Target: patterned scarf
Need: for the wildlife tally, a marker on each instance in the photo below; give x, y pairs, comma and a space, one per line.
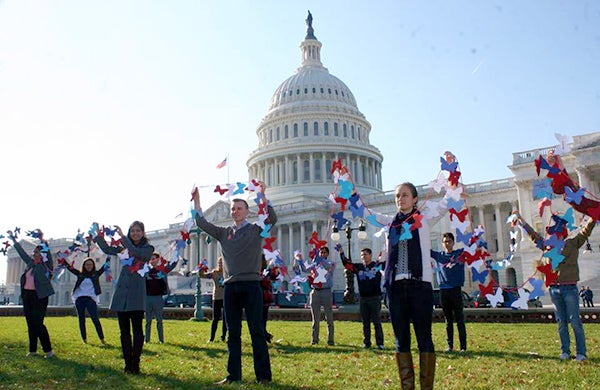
415, 260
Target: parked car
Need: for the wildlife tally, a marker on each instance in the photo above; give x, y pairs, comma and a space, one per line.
180, 300
510, 295
467, 300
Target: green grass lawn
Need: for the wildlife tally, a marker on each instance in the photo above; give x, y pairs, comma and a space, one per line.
500, 356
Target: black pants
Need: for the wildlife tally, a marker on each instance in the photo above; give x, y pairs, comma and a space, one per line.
370, 311
217, 310
132, 349
35, 311
452, 305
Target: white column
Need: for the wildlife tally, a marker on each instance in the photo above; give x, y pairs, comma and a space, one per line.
288, 169
311, 168
291, 241
302, 237
298, 168
481, 215
359, 175
279, 237
265, 172
499, 230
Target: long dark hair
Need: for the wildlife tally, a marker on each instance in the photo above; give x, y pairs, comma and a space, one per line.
143, 240
83, 270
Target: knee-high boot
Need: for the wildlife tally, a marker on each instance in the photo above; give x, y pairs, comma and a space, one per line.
138, 344
406, 370
127, 352
427, 369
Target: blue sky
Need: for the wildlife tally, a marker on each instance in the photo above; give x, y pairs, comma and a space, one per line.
112, 110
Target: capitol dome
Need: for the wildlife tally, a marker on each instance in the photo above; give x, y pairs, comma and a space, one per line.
311, 121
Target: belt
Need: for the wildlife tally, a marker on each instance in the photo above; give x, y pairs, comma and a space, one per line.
324, 288
406, 276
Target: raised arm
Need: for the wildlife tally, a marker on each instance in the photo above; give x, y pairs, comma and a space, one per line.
24, 256
104, 247
210, 229
585, 232
535, 237
143, 252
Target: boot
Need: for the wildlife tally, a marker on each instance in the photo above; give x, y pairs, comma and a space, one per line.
136, 353
406, 370
427, 369
126, 348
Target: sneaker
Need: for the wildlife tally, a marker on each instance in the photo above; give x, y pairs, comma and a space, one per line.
330, 343
564, 356
463, 350
103, 341
366, 346
84, 341
449, 350
49, 355
31, 354
580, 358
380, 347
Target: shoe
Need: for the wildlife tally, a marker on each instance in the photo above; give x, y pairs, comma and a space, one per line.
49, 355
314, 342
225, 382
366, 346
103, 341
223, 338
449, 350
264, 382
269, 337
380, 347
210, 340
31, 354
564, 356
330, 343
463, 350
84, 341
580, 358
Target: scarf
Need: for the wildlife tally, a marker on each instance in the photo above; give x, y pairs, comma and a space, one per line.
415, 258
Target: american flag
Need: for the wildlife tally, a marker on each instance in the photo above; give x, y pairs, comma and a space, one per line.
222, 163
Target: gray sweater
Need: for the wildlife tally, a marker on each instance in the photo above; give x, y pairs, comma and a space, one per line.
130, 293
242, 249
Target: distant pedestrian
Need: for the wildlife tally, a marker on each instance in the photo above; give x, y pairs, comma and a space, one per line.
589, 296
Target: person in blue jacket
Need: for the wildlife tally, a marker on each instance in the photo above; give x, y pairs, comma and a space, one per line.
450, 272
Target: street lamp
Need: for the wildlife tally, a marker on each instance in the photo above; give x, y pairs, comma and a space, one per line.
349, 295
198, 313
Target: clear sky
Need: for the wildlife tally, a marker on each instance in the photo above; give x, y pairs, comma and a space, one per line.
111, 111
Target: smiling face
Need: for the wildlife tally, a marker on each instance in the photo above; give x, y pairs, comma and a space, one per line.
406, 199
37, 254
366, 257
239, 211
136, 232
448, 243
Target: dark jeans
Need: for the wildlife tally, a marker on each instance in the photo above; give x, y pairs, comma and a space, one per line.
370, 311
452, 305
35, 311
239, 297
87, 303
132, 349
217, 307
411, 301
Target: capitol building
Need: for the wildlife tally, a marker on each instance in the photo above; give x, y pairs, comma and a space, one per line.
312, 120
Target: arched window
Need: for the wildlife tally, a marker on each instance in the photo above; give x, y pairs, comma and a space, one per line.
277, 134
306, 129
295, 130
316, 128
317, 170
327, 170
352, 131
511, 277
286, 132
335, 129
306, 171
270, 135
345, 130
359, 130
326, 128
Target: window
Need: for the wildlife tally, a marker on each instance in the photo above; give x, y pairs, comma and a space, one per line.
318, 170
305, 90
336, 92
326, 128
352, 131
306, 171
335, 129
295, 130
316, 128
358, 132
322, 90
277, 134
314, 90
329, 90
306, 129
271, 135
295, 172
298, 91
290, 93
327, 168
345, 130
286, 132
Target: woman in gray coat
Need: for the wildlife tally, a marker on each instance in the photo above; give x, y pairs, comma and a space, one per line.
35, 290
129, 297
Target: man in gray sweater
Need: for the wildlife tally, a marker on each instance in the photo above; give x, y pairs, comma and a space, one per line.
241, 244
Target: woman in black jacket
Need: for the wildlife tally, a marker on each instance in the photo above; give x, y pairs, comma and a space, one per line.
86, 294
